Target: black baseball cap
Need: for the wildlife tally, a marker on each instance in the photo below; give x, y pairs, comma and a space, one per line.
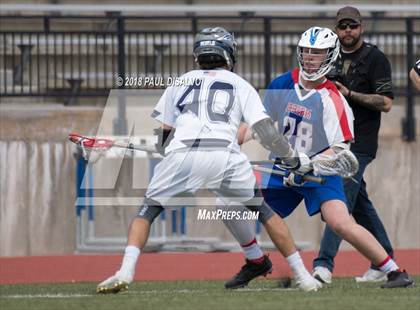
348, 12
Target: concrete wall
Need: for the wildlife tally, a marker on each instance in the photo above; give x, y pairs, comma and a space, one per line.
37, 178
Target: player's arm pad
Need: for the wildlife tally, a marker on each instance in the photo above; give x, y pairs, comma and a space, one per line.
164, 138
268, 136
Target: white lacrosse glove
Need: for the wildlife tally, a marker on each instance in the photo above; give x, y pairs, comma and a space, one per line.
293, 179
299, 163
305, 164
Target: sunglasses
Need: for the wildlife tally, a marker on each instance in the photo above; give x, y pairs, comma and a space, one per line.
343, 26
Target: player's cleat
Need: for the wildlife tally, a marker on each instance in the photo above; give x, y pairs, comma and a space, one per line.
398, 279
307, 283
248, 272
372, 275
112, 285
322, 274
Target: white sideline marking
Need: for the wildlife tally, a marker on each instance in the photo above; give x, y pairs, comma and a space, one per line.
268, 289
140, 292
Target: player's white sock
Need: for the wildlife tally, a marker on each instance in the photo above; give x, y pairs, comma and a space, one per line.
128, 266
296, 264
252, 251
243, 231
388, 265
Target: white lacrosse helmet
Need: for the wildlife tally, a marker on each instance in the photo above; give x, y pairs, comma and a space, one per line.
317, 38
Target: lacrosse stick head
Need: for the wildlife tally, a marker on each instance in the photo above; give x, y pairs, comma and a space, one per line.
92, 148
343, 163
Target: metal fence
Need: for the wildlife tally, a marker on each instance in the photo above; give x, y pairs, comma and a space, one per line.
51, 62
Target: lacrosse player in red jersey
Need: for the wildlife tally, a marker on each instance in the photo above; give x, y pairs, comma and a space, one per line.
200, 123
318, 122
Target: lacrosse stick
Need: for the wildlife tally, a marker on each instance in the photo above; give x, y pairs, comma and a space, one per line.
284, 173
99, 146
343, 164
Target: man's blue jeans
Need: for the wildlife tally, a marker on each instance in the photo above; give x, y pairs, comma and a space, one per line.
363, 212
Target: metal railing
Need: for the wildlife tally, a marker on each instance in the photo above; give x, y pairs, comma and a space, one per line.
50, 62
72, 56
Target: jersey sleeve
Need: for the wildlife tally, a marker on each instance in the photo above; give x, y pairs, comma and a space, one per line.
337, 118
380, 76
252, 107
274, 94
164, 110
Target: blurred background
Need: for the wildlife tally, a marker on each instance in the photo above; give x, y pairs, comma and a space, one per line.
60, 64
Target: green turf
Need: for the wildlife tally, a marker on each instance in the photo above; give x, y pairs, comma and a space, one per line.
265, 294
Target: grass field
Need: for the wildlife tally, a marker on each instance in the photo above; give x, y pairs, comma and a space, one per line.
264, 294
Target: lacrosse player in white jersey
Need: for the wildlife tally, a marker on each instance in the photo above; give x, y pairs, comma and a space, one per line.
200, 120
317, 121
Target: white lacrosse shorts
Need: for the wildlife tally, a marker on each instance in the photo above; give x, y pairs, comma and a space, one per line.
226, 173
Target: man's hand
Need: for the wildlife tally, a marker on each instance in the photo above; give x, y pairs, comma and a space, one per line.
343, 89
373, 102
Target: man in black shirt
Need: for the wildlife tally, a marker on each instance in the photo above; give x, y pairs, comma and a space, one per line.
363, 75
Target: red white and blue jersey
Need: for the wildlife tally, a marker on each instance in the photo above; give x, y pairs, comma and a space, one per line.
312, 120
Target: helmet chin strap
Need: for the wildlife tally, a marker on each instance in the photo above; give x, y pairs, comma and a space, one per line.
228, 61
302, 77
307, 77
321, 72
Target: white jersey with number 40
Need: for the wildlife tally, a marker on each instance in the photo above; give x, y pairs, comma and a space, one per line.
208, 105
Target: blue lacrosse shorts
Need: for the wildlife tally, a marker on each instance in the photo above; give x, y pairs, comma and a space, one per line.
284, 199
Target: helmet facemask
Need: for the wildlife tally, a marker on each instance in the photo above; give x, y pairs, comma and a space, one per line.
317, 51
315, 63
